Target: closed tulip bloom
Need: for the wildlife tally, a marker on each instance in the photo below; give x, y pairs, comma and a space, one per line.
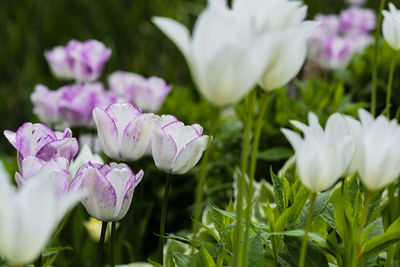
124, 132
177, 148
322, 156
59, 62
377, 153
28, 217
226, 56
78, 101
109, 189
40, 141
45, 104
123, 84
57, 172
391, 26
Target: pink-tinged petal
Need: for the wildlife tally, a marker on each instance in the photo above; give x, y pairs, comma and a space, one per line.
181, 134
107, 132
130, 188
122, 114
31, 138
164, 150
198, 128
31, 166
190, 155
118, 179
164, 120
11, 137
66, 148
136, 137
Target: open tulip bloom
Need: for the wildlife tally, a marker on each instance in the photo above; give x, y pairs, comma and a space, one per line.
322, 156
124, 132
29, 216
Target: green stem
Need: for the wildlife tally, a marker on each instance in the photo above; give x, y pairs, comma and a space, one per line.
303, 251
112, 254
38, 262
100, 251
375, 62
163, 218
389, 85
389, 258
253, 165
237, 251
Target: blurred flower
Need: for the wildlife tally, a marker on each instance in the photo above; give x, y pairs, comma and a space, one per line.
322, 157
58, 60
287, 19
82, 61
148, 94
93, 228
335, 53
91, 140
78, 101
176, 148
225, 54
40, 141
29, 216
45, 103
377, 155
124, 132
391, 26
56, 168
109, 189
84, 156
356, 21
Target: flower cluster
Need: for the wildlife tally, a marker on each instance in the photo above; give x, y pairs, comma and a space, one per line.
334, 42
345, 147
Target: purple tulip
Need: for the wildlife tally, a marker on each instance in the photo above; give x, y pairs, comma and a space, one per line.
40, 141
124, 132
78, 101
46, 103
335, 53
82, 61
150, 95
109, 189
57, 169
123, 84
356, 21
177, 148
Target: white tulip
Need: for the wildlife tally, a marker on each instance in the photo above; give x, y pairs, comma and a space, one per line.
28, 217
391, 26
322, 157
84, 156
225, 55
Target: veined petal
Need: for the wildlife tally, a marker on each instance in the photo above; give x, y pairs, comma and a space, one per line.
188, 157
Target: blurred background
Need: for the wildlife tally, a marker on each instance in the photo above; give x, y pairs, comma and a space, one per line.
29, 27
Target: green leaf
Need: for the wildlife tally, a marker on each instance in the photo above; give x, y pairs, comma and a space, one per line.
276, 153
300, 233
255, 254
278, 190
314, 256
320, 204
203, 258
181, 260
155, 264
53, 250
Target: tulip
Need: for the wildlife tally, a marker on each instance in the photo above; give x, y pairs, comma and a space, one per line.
151, 95
391, 26
84, 156
29, 216
78, 101
123, 84
335, 53
177, 148
357, 21
322, 157
124, 132
91, 140
109, 189
58, 60
224, 69
56, 168
45, 104
40, 141
377, 162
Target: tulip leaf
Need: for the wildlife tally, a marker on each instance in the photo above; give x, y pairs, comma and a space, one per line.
314, 256
181, 260
154, 263
256, 251
278, 190
321, 202
276, 153
53, 250
203, 258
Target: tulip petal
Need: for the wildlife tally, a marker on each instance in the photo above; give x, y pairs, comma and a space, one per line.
66, 148
190, 154
107, 132
164, 150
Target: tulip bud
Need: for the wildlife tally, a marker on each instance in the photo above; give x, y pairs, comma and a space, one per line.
391, 26
109, 189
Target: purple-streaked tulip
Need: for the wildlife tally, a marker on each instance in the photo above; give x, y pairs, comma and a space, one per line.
84, 156
45, 104
40, 141
123, 84
335, 53
124, 131
356, 21
87, 59
57, 169
59, 62
109, 189
177, 148
78, 101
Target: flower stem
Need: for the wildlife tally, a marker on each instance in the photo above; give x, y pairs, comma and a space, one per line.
253, 165
163, 218
303, 251
202, 177
375, 62
38, 262
389, 85
100, 251
237, 251
112, 254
